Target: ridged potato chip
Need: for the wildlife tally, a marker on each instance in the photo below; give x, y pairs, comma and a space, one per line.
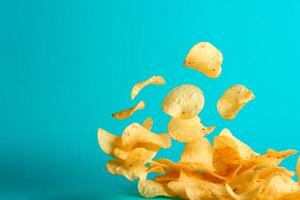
233, 100
188, 130
135, 133
128, 112
148, 123
107, 141
184, 102
205, 58
155, 80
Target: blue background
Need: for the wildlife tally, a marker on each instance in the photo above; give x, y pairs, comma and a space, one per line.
65, 66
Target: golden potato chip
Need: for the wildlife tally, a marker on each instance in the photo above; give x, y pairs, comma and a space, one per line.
135, 133
128, 112
150, 189
188, 130
205, 58
207, 191
277, 186
267, 172
184, 102
233, 100
244, 182
121, 153
148, 123
107, 141
244, 150
138, 156
198, 151
244, 196
155, 80
131, 173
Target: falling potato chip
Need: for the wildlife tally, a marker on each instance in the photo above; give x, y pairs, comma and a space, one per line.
198, 151
188, 130
128, 112
138, 156
107, 141
136, 133
150, 189
205, 58
117, 167
184, 102
148, 123
233, 100
156, 80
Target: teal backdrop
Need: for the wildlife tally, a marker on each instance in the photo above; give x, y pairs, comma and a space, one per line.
66, 65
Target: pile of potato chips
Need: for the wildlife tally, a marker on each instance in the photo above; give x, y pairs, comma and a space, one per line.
226, 169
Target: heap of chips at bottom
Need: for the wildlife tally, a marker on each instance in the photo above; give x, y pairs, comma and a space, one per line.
227, 169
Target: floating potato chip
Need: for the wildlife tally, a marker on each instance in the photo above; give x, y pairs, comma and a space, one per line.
121, 153
128, 112
131, 173
156, 80
148, 123
205, 58
135, 133
233, 100
138, 156
184, 102
198, 151
188, 130
150, 189
107, 141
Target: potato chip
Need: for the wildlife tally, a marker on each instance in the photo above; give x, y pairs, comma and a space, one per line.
198, 151
155, 80
128, 112
138, 156
107, 141
244, 196
205, 58
148, 123
245, 152
291, 196
233, 100
150, 189
184, 102
135, 133
277, 186
249, 176
131, 173
188, 130
267, 172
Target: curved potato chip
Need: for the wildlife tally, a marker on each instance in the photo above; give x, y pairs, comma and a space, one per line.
244, 196
148, 123
128, 112
244, 182
244, 150
107, 141
205, 58
138, 156
188, 130
150, 189
206, 190
135, 133
156, 80
233, 100
265, 173
198, 151
184, 102
131, 173
121, 153
278, 186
